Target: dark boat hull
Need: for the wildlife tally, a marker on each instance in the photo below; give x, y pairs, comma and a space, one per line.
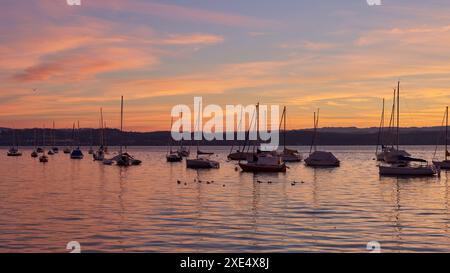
255, 168
239, 156
443, 165
202, 164
174, 159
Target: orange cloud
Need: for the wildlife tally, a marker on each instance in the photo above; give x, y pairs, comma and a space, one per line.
78, 65
409, 36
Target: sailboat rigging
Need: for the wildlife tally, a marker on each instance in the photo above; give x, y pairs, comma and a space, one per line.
398, 164
319, 158
14, 149
288, 155
241, 154
201, 162
77, 153
43, 158
123, 159
183, 151
172, 156
259, 161
54, 148
35, 154
99, 155
445, 164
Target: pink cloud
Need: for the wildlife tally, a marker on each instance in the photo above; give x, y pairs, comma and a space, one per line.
191, 39
83, 64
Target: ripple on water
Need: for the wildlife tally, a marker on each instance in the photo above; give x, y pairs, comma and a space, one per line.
144, 209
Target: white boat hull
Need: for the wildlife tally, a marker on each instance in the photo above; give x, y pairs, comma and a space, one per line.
322, 159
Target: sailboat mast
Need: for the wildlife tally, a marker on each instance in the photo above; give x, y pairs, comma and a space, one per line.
314, 135
380, 130
121, 124
446, 134
181, 132
73, 134
170, 136
317, 127
257, 127
392, 121
43, 137
284, 137
79, 137
53, 134
198, 127
398, 115
102, 127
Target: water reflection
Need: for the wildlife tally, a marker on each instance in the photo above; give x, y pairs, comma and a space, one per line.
44, 206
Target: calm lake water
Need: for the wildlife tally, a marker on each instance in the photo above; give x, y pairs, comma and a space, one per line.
144, 209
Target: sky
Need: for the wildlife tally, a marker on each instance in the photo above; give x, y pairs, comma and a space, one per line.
342, 56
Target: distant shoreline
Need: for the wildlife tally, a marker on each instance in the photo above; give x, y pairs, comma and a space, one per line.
325, 137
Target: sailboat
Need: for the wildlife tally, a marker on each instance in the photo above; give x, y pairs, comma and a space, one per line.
14, 149
105, 138
288, 155
320, 158
35, 154
68, 149
172, 156
50, 151
43, 158
99, 155
404, 165
380, 155
389, 153
54, 148
240, 153
445, 164
201, 162
91, 148
77, 153
123, 159
183, 151
262, 161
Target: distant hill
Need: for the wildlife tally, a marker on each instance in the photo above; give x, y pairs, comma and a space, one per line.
325, 136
